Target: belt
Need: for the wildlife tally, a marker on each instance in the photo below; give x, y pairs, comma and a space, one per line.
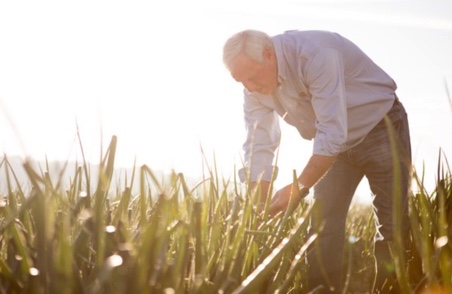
396, 101
393, 112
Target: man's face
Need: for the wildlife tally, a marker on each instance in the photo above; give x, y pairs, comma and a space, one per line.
256, 77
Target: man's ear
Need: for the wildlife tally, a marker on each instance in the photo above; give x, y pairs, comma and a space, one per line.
268, 53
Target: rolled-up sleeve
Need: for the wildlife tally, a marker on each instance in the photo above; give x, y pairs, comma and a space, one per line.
325, 74
262, 139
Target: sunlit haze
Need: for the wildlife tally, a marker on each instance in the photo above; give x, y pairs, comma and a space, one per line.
151, 73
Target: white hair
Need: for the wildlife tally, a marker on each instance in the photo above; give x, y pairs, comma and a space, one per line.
252, 43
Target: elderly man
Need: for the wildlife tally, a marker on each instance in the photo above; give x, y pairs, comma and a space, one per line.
334, 94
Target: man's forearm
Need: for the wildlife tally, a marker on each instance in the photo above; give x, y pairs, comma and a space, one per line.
317, 166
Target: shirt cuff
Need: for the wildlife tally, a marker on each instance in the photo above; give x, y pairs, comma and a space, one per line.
267, 174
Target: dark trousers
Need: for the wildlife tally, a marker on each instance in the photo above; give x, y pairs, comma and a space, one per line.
372, 158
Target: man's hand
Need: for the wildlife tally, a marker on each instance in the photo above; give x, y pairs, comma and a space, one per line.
317, 166
287, 198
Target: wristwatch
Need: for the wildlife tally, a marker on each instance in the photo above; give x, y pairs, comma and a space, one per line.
303, 191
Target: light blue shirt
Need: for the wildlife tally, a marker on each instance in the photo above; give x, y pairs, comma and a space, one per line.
329, 90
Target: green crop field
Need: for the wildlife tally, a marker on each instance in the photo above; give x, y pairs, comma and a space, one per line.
161, 235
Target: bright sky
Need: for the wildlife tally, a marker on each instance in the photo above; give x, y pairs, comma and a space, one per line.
150, 72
